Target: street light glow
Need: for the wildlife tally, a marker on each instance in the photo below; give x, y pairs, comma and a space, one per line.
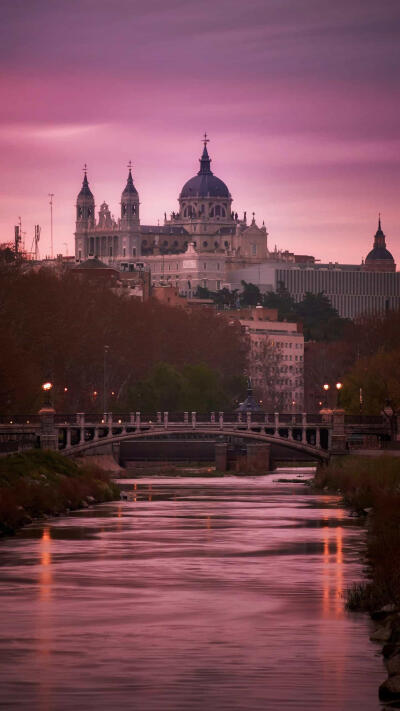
339, 386
326, 386
47, 386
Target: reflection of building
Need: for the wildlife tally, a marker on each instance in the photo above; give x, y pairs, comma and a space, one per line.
276, 364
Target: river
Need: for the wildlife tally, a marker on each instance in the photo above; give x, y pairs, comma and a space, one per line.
197, 594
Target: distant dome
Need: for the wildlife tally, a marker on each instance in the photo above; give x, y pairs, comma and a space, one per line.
378, 253
379, 250
205, 184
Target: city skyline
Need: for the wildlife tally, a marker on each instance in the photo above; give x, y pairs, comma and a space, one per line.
300, 102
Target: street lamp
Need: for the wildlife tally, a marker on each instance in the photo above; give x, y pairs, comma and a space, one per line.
106, 350
47, 387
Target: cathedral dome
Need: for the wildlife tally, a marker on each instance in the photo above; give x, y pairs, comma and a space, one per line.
378, 253
205, 184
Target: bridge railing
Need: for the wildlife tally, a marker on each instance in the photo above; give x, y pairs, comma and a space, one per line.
365, 419
19, 419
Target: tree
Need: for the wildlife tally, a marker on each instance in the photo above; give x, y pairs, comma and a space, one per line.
250, 295
321, 322
283, 301
378, 378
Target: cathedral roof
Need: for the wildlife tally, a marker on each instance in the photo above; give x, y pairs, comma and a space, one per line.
205, 183
85, 190
130, 188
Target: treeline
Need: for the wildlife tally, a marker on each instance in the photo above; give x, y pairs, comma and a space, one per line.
321, 322
366, 360
56, 328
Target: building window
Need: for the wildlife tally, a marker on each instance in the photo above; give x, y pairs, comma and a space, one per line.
133, 251
218, 285
79, 254
218, 266
123, 252
253, 250
205, 244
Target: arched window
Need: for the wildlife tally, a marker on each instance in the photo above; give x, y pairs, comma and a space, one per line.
176, 243
185, 214
205, 244
212, 212
216, 245
226, 245
223, 213
134, 209
144, 242
165, 243
217, 210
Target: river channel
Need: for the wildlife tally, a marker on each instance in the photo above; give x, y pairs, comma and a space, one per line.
196, 594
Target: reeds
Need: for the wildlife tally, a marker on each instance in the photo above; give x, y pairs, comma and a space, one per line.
371, 487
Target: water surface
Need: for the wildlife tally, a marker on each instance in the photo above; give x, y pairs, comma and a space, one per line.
197, 594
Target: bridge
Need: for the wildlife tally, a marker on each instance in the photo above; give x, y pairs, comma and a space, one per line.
253, 435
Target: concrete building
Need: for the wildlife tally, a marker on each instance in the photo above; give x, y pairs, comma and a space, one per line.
276, 364
353, 289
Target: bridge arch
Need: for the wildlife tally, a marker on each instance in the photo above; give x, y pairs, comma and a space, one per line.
103, 443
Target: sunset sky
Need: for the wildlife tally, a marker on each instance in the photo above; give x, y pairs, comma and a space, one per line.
300, 99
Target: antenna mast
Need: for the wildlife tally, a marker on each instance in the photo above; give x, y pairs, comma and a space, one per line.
51, 195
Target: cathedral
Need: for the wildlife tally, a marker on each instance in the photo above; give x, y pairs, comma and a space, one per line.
204, 224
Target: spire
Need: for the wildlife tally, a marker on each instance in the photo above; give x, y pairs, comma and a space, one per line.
379, 223
85, 190
130, 188
205, 159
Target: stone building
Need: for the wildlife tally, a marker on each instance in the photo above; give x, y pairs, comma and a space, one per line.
196, 246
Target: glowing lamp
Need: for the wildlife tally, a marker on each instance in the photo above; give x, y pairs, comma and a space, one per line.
339, 386
47, 386
326, 386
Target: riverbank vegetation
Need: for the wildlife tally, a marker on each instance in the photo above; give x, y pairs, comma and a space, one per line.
371, 487
44, 483
56, 327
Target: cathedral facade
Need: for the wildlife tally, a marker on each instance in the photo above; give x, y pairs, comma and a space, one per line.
204, 229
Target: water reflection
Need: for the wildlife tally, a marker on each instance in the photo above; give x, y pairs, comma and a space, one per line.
195, 594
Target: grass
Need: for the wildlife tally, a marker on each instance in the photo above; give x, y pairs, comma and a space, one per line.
42, 482
374, 484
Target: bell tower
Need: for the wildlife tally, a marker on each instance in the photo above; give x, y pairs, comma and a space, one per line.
130, 202
85, 218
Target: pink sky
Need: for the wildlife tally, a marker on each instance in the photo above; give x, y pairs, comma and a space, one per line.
300, 99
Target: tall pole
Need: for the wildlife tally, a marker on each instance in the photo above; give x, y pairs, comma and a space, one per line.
106, 349
51, 195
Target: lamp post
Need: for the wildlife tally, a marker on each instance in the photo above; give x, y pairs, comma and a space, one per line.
338, 387
388, 411
47, 388
106, 350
